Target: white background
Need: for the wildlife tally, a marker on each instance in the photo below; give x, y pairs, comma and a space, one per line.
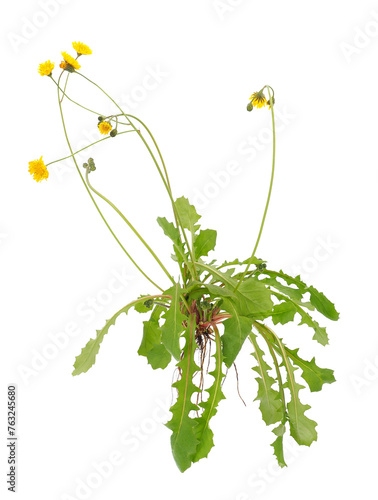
59, 264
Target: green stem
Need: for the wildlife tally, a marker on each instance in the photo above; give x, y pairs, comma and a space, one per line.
90, 194
269, 192
137, 234
157, 166
86, 147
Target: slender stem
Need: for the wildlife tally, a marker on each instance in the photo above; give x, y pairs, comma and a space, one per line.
90, 194
65, 86
157, 166
86, 147
269, 192
130, 226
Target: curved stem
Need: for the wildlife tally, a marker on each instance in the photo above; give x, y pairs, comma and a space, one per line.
130, 226
90, 194
86, 147
269, 192
157, 166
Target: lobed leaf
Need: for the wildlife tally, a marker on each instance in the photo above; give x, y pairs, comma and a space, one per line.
203, 432
87, 357
271, 406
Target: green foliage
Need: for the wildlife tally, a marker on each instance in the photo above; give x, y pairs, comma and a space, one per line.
203, 432
191, 310
174, 323
184, 439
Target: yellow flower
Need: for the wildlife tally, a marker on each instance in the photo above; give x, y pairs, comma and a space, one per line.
81, 49
258, 99
46, 68
38, 170
69, 60
104, 127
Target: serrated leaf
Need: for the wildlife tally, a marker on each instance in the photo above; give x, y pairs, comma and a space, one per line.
302, 428
173, 326
236, 330
187, 214
203, 432
311, 373
87, 357
204, 242
184, 441
271, 406
320, 332
317, 299
174, 234
279, 431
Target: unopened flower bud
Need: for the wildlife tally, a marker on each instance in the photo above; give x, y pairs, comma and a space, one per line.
249, 106
113, 132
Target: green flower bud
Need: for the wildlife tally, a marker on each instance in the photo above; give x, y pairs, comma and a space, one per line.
101, 118
249, 106
113, 132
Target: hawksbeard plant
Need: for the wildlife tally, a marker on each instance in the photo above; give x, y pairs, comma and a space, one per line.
201, 321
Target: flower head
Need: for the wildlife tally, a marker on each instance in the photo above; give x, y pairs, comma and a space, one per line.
104, 127
81, 49
46, 68
258, 99
69, 63
38, 170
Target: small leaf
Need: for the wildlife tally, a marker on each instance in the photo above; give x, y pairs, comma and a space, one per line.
158, 357
283, 313
174, 234
204, 242
278, 445
187, 214
173, 326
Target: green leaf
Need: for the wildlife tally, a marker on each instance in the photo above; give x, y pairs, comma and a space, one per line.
187, 214
254, 297
322, 304
174, 234
158, 357
173, 326
87, 357
283, 313
320, 332
279, 431
311, 373
271, 406
141, 306
204, 242
236, 330
302, 428
203, 432
317, 299
184, 440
